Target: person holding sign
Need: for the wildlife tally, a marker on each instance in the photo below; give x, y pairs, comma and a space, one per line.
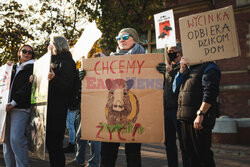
18, 110
127, 41
95, 146
197, 110
60, 78
170, 96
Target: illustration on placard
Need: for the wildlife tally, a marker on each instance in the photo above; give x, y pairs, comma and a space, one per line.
164, 29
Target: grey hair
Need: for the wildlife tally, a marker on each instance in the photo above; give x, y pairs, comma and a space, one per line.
60, 44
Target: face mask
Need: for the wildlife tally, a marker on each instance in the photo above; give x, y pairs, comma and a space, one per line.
172, 56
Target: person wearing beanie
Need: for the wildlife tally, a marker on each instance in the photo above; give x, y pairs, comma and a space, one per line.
127, 41
132, 32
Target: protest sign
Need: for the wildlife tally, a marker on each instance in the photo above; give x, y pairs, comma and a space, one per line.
122, 99
165, 29
89, 36
5, 77
209, 36
39, 97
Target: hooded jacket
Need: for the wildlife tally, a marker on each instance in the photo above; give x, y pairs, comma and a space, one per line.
20, 90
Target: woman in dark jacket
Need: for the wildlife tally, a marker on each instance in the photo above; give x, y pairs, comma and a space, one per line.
18, 110
60, 85
127, 41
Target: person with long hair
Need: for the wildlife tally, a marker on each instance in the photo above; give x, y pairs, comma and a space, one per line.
18, 109
60, 78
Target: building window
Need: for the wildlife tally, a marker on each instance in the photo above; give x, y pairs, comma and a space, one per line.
148, 42
240, 3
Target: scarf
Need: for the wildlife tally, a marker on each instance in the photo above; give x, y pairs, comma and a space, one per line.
137, 49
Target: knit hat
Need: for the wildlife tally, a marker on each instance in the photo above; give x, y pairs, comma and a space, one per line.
132, 32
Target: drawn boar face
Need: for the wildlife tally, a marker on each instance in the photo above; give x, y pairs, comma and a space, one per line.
119, 106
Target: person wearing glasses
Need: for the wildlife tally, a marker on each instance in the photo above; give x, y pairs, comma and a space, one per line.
15, 147
127, 41
61, 79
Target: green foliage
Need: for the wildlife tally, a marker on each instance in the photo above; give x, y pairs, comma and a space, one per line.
113, 15
33, 25
62, 17
58, 17
12, 31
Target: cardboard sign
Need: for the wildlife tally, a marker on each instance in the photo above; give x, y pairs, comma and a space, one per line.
39, 97
122, 99
209, 36
5, 77
165, 29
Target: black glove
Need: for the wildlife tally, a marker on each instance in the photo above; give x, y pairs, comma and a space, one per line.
82, 74
161, 68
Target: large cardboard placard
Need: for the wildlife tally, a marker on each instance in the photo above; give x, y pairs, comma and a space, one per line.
5, 77
122, 99
209, 36
165, 29
39, 97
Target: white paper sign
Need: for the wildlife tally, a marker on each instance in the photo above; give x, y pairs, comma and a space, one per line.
5, 77
39, 98
165, 29
86, 41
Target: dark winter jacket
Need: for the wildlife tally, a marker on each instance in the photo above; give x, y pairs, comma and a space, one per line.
21, 86
75, 94
170, 97
60, 88
201, 84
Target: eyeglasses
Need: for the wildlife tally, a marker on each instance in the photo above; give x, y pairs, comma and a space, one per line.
27, 52
124, 37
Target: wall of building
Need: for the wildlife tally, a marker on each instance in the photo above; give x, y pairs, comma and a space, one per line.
235, 84
234, 95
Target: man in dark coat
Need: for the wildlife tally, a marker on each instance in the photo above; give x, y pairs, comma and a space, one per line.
197, 110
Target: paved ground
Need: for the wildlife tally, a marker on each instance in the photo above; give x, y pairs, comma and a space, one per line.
153, 155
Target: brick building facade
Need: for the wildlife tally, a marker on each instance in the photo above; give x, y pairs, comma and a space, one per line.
234, 95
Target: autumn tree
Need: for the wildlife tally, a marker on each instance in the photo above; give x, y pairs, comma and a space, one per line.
113, 15
12, 30
58, 17
34, 23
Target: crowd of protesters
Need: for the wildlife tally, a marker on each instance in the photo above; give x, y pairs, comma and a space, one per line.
190, 93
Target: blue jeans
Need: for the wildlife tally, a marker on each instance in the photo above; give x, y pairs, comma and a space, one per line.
15, 147
95, 149
172, 125
71, 126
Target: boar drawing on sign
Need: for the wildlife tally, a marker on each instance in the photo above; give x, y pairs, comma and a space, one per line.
164, 29
122, 106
